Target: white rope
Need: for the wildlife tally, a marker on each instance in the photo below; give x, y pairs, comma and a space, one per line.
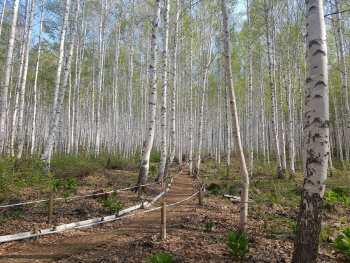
73, 197
101, 221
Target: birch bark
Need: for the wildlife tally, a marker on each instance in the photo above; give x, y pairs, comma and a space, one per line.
6, 79
164, 92
35, 99
46, 153
236, 132
20, 128
147, 145
316, 137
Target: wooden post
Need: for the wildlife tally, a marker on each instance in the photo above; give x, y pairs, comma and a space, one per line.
162, 183
200, 197
50, 209
139, 191
163, 229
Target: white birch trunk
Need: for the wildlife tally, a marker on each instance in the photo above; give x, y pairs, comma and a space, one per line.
46, 153
147, 145
235, 125
35, 99
20, 128
316, 137
6, 79
164, 92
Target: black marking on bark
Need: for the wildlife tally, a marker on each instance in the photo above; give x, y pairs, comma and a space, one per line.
320, 82
312, 8
313, 157
317, 119
318, 96
319, 51
325, 124
313, 42
315, 136
308, 80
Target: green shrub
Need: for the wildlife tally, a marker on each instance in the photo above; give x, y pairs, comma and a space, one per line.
209, 226
153, 167
238, 243
215, 191
232, 189
326, 234
161, 258
293, 226
269, 229
334, 197
342, 243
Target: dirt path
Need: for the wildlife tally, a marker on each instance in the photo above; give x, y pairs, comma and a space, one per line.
60, 247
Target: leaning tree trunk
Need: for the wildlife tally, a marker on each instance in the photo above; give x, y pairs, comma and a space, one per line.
6, 79
235, 124
20, 128
147, 145
46, 153
164, 93
316, 137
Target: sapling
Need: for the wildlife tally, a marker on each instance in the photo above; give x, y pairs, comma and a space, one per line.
209, 226
238, 243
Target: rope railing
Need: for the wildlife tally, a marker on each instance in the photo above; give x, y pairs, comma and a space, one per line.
83, 224
79, 196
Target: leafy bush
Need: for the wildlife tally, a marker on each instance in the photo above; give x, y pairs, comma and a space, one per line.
232, 189
334, 197
293, 226
269, 229
112, 204
256, 183
342, 243
342, 192
225, 184
71, 183
209, 226
326, 234
161, 258
238, 243
153, 167
215, 191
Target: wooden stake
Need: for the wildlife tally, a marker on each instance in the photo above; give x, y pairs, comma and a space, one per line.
200, 197
50, 209
162, 183
163, 229
139, 191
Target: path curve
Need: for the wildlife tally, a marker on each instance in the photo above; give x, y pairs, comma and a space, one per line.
52, 249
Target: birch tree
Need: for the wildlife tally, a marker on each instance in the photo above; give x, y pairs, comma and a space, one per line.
235, 124
316, 137
164, 92
6, 79
147, 145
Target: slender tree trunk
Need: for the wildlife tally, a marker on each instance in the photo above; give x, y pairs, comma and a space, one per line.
35, 97
236, 132
273, 100
190, 154
20, 128
316, 137
170, 158
164, 92
250, 93
6, 79
46, 153
147, 145
344, 75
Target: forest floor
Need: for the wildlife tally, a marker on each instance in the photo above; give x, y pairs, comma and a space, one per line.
132, 239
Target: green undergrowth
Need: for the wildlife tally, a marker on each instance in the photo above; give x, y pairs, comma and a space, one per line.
66, 171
